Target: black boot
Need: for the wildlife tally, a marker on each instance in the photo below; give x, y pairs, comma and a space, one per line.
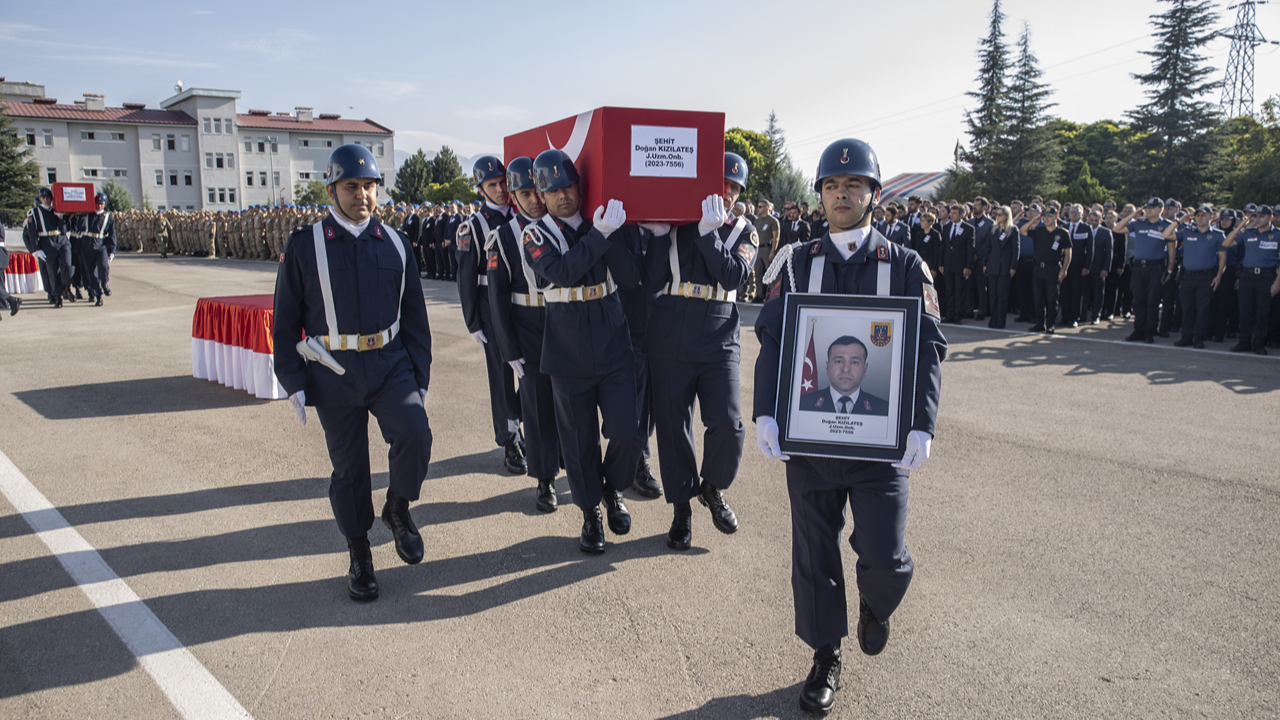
395, 515
616, 509
873, 635
721, 514
513, 460
646, 485
361, 584
680, 536
592, 540
818, 693
15, 302
98, 302
547, 501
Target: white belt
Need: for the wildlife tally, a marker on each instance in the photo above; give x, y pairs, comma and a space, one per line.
482, 280
48, 234
700, 292
360, 343
580, 293
529, 300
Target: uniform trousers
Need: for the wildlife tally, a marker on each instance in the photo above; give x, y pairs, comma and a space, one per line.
998, 289
1197, 295
955, 293
537, 401
1091, 296
978, 285
78, 268
1044, 287
403, 421
1255, 304
1023, 297
4, 263
94, 264
57, 252
876, 495
1226, 305
1170, 306
504, 403
716, 387
1072, 294
577, 401
1145, 282
1117, 297
645, 424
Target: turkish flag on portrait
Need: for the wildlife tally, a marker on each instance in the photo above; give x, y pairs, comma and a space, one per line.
809, 375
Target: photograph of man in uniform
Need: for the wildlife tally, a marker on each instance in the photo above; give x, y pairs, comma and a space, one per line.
846, 368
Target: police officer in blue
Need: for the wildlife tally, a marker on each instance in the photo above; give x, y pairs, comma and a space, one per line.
519, 316
1258, 279
694, 352
351, 285
490, 176
586, 347
45, 235
1203, 262
1153, 265
852, 259
97, 234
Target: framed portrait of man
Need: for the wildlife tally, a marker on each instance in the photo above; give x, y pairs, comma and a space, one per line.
847, 383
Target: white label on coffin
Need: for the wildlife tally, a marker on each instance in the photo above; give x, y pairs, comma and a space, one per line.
73, 194
664, 151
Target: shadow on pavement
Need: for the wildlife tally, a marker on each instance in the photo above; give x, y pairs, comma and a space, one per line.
780, 703
144, 396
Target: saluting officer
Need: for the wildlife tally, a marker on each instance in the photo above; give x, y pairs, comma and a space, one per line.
1153, 263
852, 259
1258, 279
1203, 262
586, 346
473, 293
97, 248
519, 316
694, 353
45, 235
351, 283
1051, 257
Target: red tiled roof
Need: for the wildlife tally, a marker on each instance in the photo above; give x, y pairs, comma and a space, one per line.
110, 115
289, 123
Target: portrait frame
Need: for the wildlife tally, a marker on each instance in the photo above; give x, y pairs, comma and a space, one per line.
873, 423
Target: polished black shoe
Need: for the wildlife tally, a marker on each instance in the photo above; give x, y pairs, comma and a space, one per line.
1260, 349
616, 509
106, 289
1163, 333
69, 296
680, 536
1150, 339
547, 501
980, 317
592, 540
873, 635
79, 295
1036, 328
1198, 343
57, 302
395, 515
1183, 341
818, 693
1049, 330
1133, 337
513, 460
15, 302
1217, 338
1074, 324
721, 514
98, 302
645, 484
1241, 346
361, 584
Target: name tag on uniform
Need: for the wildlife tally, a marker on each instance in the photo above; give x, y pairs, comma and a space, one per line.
1269, 244
1055, 244
1080, 236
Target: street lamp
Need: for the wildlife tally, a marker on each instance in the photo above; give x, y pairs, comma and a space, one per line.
271, 143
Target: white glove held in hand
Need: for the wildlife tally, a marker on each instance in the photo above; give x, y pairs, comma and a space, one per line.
658, 229
918, 442
517, 367
299, 402
39, 254
312, 351
111, 259
607, 221
480, 338
767, 438
713, 214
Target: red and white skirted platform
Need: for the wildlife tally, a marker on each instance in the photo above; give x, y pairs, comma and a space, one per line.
231, 344
22, 276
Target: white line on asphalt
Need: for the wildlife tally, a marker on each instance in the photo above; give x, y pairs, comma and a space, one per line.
1072, 336
194, 692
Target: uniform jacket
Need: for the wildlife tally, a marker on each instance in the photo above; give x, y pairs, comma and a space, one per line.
957, 247
471, 240
998, 251
867, 404
90, 226
637, 302
52, 222
1100, 256
519, 329
1081, 245
365, 273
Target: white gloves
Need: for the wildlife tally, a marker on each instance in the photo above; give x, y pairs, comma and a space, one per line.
517, 367
39, 254
713, 214
767, 437
312, 351
424, 395
607, 221
918, 442
658, 229
111, 258
299, 402
480, 339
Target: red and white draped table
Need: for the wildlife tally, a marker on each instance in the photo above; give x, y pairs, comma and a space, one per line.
22, 276
231, 344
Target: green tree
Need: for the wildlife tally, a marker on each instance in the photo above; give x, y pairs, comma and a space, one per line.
445, 166
413, 179
19, 172
961, 184
790, 185
1029, 160
751, 146
986, 123
119, 198
310, 193
1253, 155
1085, 189
459, 188
1176, 152
1106, 146
773, 157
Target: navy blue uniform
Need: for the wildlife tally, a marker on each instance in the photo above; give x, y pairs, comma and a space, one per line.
694, 352
1150, 255
821, 488
1200, 259
366, 275
473, 295
586, 350
46, 231
97, 244
519, 316
637, 303
1049, 250
1257, 273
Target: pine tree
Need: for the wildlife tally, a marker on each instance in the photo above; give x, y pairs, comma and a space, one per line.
1028, 160
987, 122
1176, 152
119, 198
445, 167
413, 179
19, 172
774, 158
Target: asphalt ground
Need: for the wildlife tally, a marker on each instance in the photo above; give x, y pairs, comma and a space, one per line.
1095, 535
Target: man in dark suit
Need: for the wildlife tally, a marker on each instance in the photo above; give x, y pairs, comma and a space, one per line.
1074, 287
1095, 274
846, 367
794, 230
983, 228
894, 229
957, 263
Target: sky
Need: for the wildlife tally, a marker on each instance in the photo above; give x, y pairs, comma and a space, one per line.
893, 74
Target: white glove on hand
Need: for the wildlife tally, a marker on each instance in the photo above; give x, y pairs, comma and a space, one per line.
39, 254
713, 214
111, 258
424, 395
918, 442
312, 350
607, 221
480, 338
517, 367
767, 438
299, 402
658, 229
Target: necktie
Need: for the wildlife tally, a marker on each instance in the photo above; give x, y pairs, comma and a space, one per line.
844, 405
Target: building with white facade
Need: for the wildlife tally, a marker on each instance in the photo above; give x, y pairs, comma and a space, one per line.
193, 153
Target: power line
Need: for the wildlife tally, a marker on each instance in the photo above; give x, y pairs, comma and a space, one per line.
1237, 88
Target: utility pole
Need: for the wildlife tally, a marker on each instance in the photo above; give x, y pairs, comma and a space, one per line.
1237, 89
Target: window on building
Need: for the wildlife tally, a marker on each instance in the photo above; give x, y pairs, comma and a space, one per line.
117, 137
379, 149
262, 146
86, 134
173, 178
384, 178
231, 195
222, 195
186, 143
275, 147
231, 161
248, 179
262, 179
170, 143
52, 174
219, 160
328, 143
217, 126
160, 208
90, 172
186, 178
304, 176
155, 141
226, 123
191, 208
120, 173
208, 160
48, 138
275, 179
160, 178
304, 143
31, 137
208, 125
213, 197
248, 145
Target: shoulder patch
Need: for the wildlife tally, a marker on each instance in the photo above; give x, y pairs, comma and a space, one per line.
533, 244
329, 234
281, 257
747, 250
815, 248
882, 253
931, 302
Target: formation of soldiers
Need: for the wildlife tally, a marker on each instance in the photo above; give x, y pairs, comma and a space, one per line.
254, 234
